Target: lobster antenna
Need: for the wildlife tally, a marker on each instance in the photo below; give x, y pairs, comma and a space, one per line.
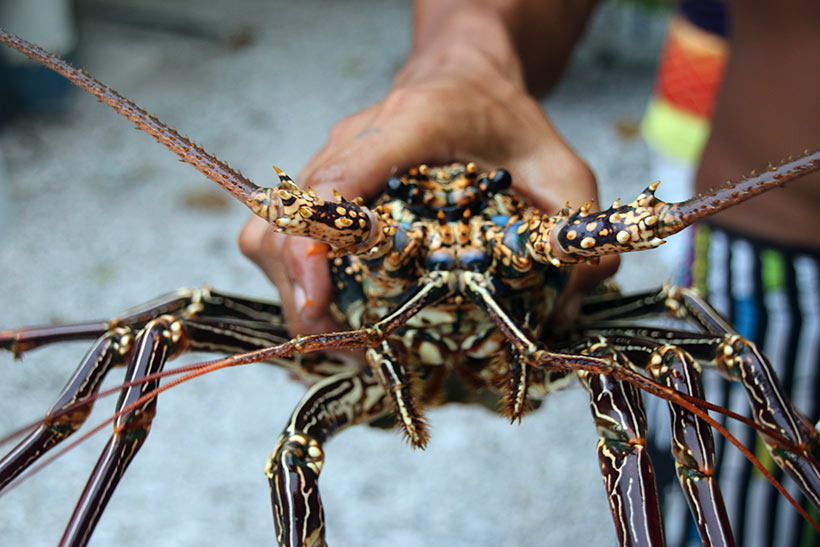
91, 399
199, 370
188, 151
732, 193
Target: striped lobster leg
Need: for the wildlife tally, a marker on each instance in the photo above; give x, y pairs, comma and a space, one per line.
794, 443
619, 416
293, 469
739, 360
666, 356
333, 404
626, 468
160, 340
693, 446
112, 349
385, 361
209, 321
143, 340
201, 302
619, 412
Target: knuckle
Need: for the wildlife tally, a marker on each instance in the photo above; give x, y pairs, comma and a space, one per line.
409, 101
457, 56
274, 243
340, 131
580, 171
249, 241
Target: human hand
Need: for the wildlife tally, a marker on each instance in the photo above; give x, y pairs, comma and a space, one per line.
453, 103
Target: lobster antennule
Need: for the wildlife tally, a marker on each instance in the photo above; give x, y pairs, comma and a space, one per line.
732, 193
190, 152
581, 236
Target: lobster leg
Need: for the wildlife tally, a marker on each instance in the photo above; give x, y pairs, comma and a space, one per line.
113, 349
110, 350
693, 446
293, 469
227, 324
625, 464
739, 360
692, 442
160, 340
395, 378
521, 354
330, 405
619, 414
682, 302
621, 421
187, 302
516, 396
615, 306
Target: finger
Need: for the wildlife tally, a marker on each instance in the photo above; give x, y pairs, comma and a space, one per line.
345, 130
553, 177
583, 279
308, 271
252, 244
265, 248
303, 282
284, 259
390, 142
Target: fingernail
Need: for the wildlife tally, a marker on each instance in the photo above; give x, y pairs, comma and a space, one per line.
299, 298
303, 303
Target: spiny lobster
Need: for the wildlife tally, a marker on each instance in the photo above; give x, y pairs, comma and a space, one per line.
434, 273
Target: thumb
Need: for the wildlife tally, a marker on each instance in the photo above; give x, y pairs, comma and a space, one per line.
583, 279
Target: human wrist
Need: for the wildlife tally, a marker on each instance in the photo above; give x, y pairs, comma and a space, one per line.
470, 41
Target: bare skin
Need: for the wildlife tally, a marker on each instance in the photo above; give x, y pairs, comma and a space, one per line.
466, 93
460, 96
768, 108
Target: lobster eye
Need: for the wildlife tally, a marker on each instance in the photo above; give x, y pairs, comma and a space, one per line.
396, 187
498, 180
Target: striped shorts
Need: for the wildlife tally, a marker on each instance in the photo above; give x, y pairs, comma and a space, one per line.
771, 295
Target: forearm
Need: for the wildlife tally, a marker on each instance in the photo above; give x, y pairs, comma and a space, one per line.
530, 40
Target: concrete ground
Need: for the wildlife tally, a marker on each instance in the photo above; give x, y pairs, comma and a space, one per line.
97, 217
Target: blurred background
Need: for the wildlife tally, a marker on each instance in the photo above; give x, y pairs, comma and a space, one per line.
96, 217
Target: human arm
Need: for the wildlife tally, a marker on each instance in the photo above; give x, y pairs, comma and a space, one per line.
461, 95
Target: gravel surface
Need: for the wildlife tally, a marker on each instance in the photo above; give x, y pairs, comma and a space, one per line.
99, 218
